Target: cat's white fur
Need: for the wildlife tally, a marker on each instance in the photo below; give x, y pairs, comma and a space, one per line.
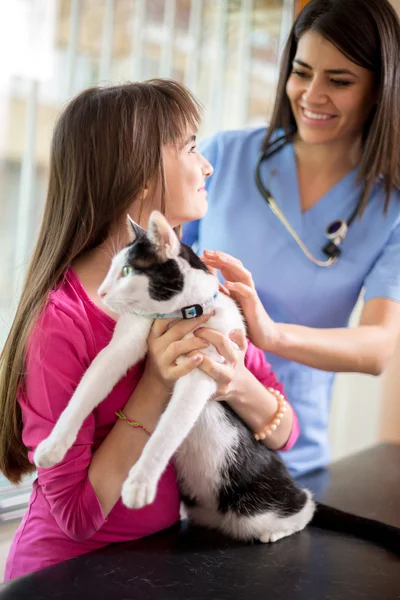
211, 436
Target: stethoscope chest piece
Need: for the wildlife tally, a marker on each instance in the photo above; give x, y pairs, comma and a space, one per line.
335, 233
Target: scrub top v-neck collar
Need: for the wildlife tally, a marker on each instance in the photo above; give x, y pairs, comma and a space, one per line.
281, 178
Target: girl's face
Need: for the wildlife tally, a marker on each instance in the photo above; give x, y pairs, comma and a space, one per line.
185, 173
331, 97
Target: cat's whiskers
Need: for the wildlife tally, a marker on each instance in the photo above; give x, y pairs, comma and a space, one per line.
107, 252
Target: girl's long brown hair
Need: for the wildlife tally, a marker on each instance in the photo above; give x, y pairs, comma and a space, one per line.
106, 148
368, 33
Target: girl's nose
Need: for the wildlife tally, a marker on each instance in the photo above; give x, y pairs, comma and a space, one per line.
208, 169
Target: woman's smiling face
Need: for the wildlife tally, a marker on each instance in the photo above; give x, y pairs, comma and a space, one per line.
331, 97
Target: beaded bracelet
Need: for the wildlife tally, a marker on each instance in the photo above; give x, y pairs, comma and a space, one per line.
276, 421
134, 424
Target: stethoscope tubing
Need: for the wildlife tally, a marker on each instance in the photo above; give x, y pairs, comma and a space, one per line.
275, 147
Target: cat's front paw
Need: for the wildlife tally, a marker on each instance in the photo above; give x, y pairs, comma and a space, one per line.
138, 491
49, 453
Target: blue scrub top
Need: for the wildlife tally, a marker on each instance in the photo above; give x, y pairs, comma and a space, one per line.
290, 286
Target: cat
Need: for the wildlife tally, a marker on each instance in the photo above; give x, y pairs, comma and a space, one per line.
228, 480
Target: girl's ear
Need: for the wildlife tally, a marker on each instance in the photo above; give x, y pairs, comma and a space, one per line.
134, 230
163, 236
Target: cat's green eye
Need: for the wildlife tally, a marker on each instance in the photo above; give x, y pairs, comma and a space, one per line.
127, 270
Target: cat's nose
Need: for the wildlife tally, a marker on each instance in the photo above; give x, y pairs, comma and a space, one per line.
102, 294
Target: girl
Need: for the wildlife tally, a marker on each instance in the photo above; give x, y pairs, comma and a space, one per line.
117, 150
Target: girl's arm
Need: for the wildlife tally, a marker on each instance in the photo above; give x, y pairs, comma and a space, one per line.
82, 489
364, 349
257, 407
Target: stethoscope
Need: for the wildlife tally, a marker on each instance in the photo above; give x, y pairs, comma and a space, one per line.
335, 232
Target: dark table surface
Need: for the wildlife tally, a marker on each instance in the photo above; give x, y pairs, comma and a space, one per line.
187, 562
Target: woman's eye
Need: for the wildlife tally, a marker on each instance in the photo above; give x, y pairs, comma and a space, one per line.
127, 270
341, 82
301, 74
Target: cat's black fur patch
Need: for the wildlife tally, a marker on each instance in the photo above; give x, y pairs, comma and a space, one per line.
165, 278
194, 261
256, 480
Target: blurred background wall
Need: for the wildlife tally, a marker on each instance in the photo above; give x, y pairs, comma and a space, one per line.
226, 51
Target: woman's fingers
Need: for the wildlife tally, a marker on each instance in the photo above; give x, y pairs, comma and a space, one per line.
230, 267
243, 290
214, 271
224, 290
224, 256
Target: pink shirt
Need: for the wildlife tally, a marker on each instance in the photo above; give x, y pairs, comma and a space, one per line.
64, 518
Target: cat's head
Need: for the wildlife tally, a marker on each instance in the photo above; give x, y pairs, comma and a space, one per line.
156, 273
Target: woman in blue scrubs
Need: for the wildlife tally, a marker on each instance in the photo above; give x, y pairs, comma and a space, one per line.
331, 160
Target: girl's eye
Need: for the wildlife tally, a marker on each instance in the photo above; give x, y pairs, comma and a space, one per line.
126, 270
193, 149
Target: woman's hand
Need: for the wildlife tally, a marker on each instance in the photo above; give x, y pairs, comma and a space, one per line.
231, 374
165, 344
262, 330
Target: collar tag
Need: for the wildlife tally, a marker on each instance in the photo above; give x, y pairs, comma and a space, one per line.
192, 311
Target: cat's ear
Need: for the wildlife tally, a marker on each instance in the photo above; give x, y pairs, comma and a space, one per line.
134, 230
163, 236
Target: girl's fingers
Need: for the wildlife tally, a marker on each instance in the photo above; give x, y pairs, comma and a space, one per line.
221, 374
239, 337
175, 329
220, 341
191, 363
186, 346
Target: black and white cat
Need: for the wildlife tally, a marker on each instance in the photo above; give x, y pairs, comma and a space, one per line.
228, 480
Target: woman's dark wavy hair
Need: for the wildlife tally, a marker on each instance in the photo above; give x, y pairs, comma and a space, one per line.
368, 33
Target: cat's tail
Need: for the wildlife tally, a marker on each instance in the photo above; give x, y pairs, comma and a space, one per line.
333, 519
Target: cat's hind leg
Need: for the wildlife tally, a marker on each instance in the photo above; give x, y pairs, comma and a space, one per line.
281, 527
268, 526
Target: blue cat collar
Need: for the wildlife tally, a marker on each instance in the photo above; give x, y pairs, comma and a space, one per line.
187, 312
191, 312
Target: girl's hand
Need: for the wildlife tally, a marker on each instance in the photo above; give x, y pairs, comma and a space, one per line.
262, 330
230, 375
165, 344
